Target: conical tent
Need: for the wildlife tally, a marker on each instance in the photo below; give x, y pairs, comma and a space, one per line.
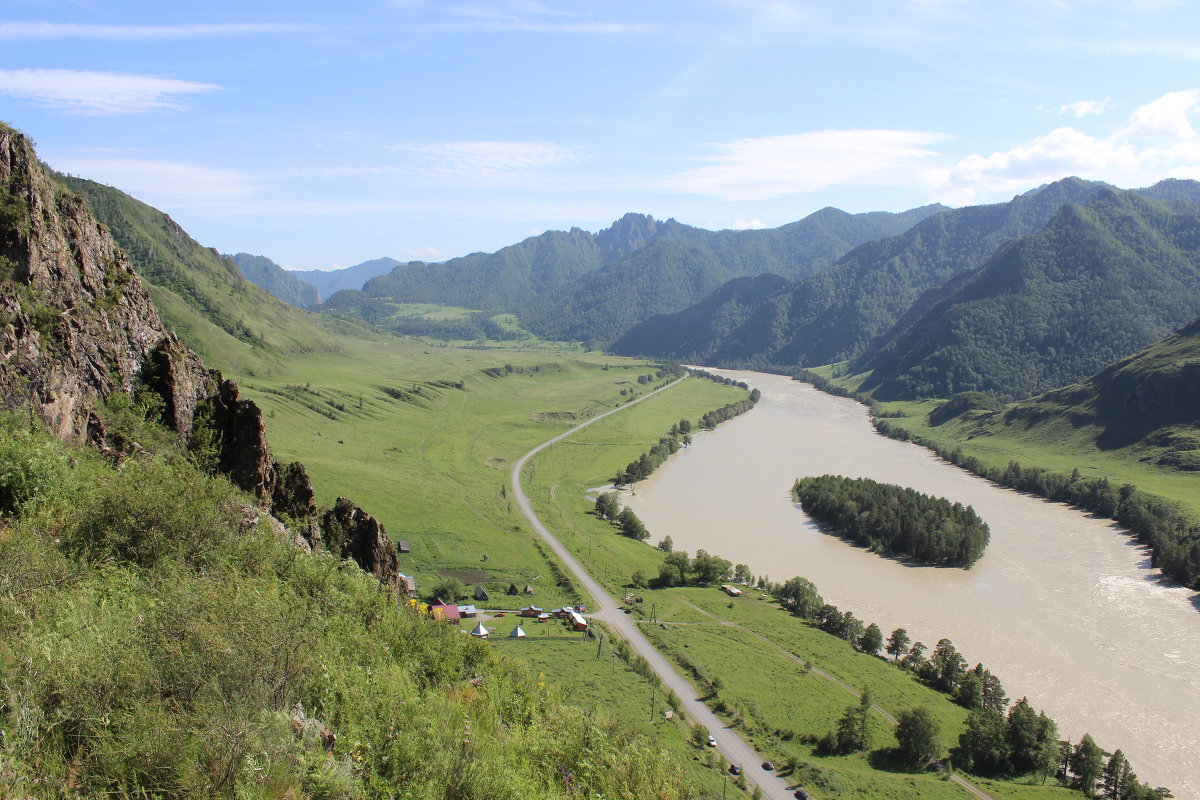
480, 631
512, 589
481, 593
517, 633
528, 589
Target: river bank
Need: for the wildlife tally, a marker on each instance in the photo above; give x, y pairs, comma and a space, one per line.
1062, 606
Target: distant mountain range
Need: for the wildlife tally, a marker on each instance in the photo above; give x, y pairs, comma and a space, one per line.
307, 288
579, 285
1014, 298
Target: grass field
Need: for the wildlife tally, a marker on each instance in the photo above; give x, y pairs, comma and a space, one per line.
424, 438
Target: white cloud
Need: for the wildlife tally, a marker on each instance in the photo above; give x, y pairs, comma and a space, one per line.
1082, 108
776, 166
57, 30
488, 160
1165, 118
748, 225
425, 254
1159, 141
83, 92
166, 182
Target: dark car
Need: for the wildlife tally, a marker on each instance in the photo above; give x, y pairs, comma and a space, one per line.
800, 795
735, 769
768, 766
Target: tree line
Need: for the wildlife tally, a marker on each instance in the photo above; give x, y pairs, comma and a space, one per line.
999, 740
1174, 541
680, 434
891, 519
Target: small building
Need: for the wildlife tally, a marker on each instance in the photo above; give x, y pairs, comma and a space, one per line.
543, 617
561, 613
402, 546
407, 584
445, 611
517, 633
529, 611
480, 631
513, 590
732, 591
467, 611
481, 594
528, 589
578, 623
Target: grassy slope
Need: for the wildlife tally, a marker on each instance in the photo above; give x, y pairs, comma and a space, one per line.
1060, 443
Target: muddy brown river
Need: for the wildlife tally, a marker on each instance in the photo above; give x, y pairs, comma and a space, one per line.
1063, 607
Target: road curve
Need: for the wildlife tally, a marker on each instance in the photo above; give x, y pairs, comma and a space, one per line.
729, 743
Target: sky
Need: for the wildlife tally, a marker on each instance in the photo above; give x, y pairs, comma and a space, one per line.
325, 134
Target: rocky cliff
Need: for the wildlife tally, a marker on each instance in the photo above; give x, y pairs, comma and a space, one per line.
76, 325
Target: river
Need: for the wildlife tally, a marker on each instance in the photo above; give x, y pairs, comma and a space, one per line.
1063, 607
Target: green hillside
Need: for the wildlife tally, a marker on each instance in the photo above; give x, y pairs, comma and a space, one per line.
834, 314
278, 282
1099, 282
231, 322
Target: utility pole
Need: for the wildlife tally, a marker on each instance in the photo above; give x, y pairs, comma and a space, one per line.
598, 646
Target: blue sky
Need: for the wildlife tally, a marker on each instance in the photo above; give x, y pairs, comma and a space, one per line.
322, 134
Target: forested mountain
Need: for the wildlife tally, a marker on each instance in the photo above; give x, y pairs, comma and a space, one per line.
690, 335
202, 296
348, 278
832, 315
493, 281
1149, 402
278, 282
1099, 282
637, 267
683, 265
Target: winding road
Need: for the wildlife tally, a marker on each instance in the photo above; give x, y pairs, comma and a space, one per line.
732, 746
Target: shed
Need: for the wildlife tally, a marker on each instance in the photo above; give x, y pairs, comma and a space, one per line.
402, 546
467, 611
447, 611
480, 631
410, 585
481, 594
528, 589
513, 590
517, 633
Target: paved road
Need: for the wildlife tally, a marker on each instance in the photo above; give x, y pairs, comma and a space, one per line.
729, 743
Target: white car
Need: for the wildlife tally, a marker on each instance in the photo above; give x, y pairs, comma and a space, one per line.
712, 742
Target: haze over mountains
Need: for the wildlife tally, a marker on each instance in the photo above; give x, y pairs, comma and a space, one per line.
1013, 299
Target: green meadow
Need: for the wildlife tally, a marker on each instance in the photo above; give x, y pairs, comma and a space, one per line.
424, 437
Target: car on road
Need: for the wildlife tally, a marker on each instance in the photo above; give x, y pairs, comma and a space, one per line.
712, 742
768, 766
735, 769
800, 795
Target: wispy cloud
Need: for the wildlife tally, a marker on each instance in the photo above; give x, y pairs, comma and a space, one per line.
60, 30
521, 16
489, 160
170, 183
1158, 141
1082, 108
84, 92
772, 167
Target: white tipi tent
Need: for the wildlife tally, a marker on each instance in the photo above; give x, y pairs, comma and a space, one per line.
517, 633
480, 631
